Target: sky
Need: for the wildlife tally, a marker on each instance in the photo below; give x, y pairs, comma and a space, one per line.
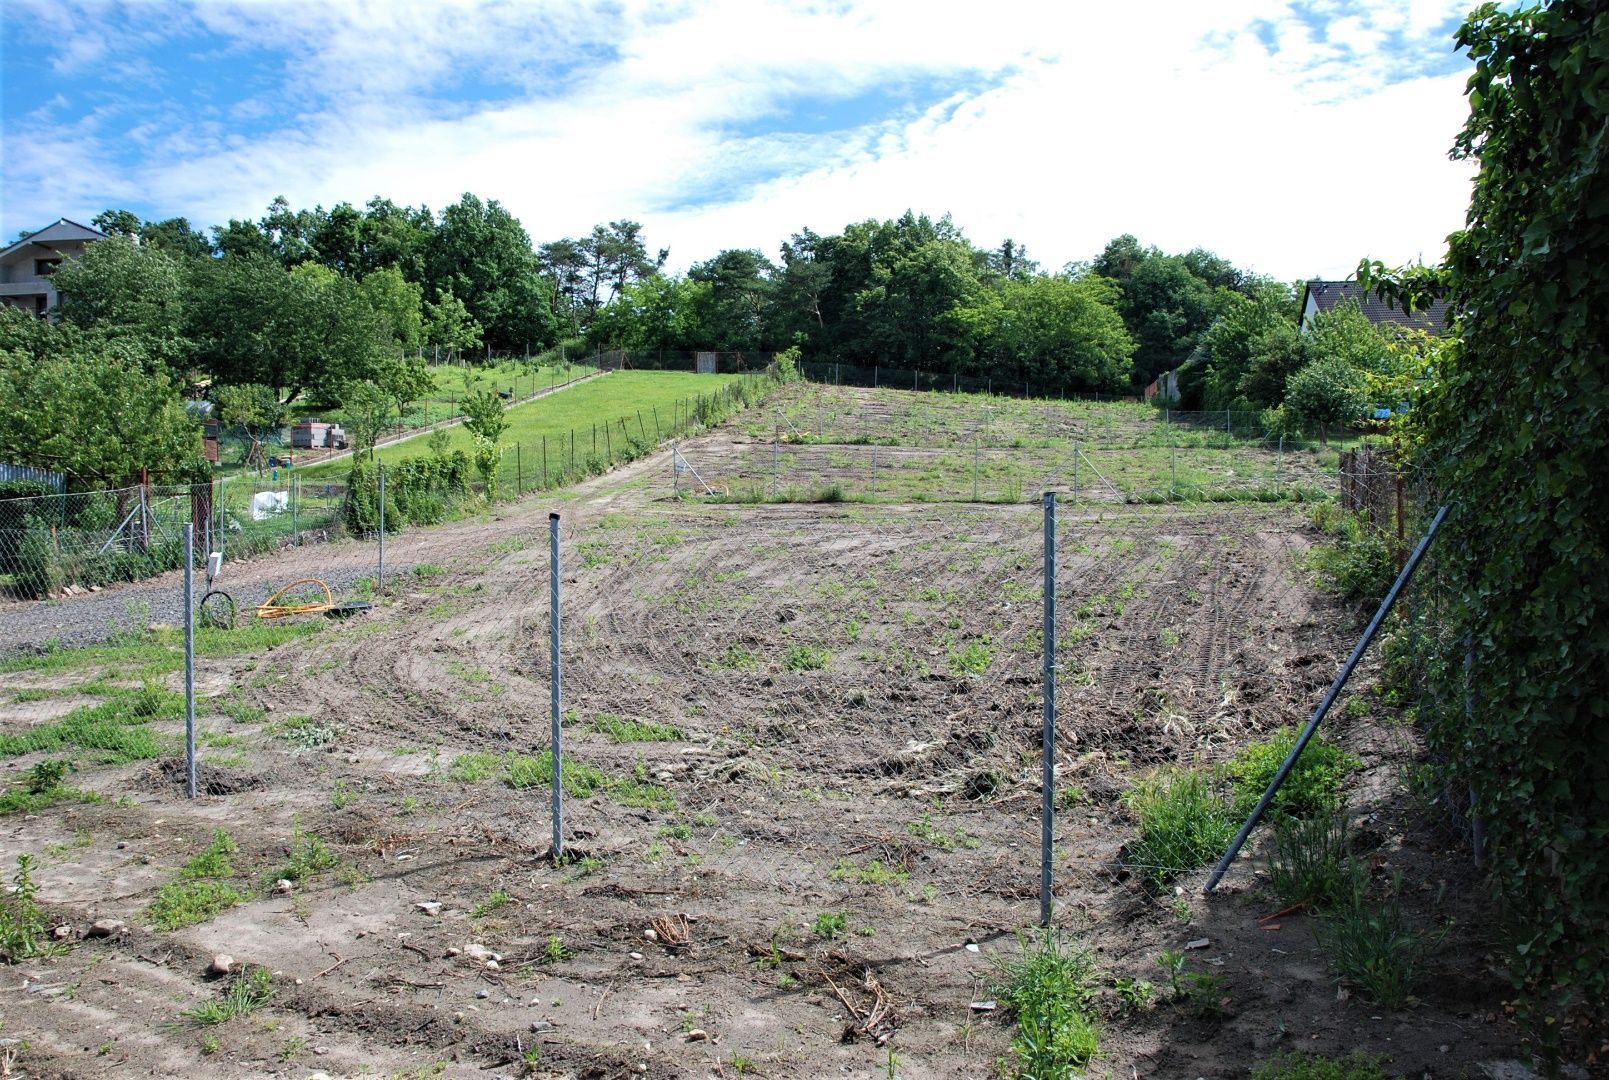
1293, 138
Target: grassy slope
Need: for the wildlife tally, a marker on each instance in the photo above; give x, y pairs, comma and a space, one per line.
603, 400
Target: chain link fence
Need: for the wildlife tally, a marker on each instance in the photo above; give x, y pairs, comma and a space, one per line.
827, 443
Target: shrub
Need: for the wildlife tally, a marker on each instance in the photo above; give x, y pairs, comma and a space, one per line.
1312, 785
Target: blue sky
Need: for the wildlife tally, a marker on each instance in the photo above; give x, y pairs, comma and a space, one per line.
1293, 138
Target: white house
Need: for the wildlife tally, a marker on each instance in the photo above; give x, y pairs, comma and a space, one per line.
26, 266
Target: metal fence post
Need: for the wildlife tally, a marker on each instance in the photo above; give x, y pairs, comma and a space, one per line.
977, 458
1047, 801
519, 471
189, 661
296, 499
380, 573
776, 455
1403, 577
1279, 463
553, 684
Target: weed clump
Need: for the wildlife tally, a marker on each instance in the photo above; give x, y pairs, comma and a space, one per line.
201, 892
1183, 824
247, 992
23, 930
1371, 945
1312, 786
1050, 989
1315, 1067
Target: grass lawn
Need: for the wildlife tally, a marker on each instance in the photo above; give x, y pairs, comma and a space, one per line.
603, 400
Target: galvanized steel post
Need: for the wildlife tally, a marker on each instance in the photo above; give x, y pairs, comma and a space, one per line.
1047, 801
553, 660
189, 660
380, 573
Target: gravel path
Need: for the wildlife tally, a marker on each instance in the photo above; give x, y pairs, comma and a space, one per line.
93, 617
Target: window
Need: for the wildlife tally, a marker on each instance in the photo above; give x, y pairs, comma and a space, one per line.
45, 267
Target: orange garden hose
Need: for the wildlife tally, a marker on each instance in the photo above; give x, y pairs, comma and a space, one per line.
268, 609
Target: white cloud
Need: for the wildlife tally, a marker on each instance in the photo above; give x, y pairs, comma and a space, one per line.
1174, 123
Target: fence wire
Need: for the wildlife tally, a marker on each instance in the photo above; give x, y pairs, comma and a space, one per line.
852, 694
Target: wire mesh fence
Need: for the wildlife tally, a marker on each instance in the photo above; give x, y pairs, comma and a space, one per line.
877, 673
78, 541
823, 442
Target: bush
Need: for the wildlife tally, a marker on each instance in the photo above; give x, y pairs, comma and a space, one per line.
1356, 563
37, 570
1311, 787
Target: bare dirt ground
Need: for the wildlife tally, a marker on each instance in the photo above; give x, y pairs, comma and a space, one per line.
773, 712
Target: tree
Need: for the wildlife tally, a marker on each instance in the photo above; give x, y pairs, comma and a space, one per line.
485, 421
658, 313
290, 232
481, 252
404, 382
396, 303
365, 412
1513, 433
1327, 391
241, 239
396, 237
253, 322
337, 240
177, 238
565, 263
449, 325
120, 289
97, 409
256, 410
1251, 348
124, 223
1053, 331
734, 314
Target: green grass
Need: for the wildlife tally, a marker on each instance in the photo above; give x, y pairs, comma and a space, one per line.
248, 991
801, 658
620, 730
581, 780
1356, 1066
151, 653
607, 399
118, 728
201, 891
43, 788
1183, 824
